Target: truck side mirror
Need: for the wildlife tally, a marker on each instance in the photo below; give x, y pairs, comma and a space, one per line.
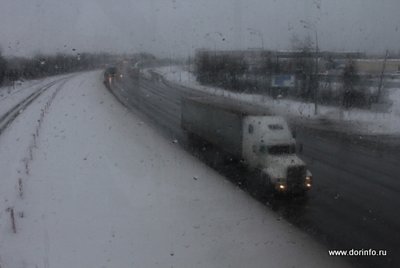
294, 133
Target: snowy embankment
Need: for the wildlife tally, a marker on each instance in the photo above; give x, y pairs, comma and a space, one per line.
12, 95
91, 185
355, 121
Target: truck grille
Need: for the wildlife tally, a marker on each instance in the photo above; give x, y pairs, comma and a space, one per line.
296, 175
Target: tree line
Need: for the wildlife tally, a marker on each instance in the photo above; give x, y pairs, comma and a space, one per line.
19, 68
220, 70
233, 71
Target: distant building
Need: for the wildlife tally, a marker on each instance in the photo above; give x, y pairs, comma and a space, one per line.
375, 66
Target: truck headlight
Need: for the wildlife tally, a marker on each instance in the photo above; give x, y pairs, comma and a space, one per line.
308, 181
281, 187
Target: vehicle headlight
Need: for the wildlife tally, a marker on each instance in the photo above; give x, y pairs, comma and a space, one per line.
308, 181
280, 186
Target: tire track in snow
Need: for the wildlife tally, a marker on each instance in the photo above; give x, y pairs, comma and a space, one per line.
29, 157
12, 114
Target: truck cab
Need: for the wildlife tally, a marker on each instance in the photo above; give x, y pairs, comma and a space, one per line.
269, 146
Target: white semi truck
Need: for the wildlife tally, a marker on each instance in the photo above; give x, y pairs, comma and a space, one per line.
261, 140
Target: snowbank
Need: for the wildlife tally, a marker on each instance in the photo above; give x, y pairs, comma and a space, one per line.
105, 190
355, 120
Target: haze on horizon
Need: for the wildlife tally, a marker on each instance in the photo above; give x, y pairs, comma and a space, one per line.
178, 27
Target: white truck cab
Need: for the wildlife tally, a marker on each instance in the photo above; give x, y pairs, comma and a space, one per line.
268, 145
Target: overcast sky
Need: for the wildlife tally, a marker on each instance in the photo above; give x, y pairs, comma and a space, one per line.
177, 27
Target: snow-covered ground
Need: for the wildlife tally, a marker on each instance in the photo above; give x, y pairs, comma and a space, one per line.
12, 95
355, 120
91, 185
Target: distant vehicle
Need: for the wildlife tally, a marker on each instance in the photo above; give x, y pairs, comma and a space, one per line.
263, 142
109, 74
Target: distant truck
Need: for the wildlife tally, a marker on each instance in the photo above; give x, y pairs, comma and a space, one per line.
109, 74
262, 141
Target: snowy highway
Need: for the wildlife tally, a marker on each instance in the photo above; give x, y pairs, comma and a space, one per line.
188, 133
355, 193
85, 182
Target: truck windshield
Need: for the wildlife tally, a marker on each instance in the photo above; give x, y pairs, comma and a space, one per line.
278, 149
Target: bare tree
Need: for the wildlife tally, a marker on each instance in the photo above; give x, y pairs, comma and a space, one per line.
3, 66
304, 65
350, 79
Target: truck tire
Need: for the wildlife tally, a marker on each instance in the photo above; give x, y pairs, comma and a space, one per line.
189, 137
258, 184
193, 141
199, 147
269, 187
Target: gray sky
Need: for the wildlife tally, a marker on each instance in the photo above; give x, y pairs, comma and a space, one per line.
177, 27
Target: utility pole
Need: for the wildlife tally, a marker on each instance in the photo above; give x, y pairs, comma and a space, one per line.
381, 77
312, 26
316, 86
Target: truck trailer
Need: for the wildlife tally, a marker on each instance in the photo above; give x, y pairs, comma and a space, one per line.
258, 138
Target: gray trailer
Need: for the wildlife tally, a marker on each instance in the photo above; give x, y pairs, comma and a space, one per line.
262, 140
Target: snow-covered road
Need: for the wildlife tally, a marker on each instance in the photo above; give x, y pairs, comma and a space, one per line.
11, 96
92, 185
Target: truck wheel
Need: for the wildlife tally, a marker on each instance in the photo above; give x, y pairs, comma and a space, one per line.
269, 187
191, 140
250, 182
256, 184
